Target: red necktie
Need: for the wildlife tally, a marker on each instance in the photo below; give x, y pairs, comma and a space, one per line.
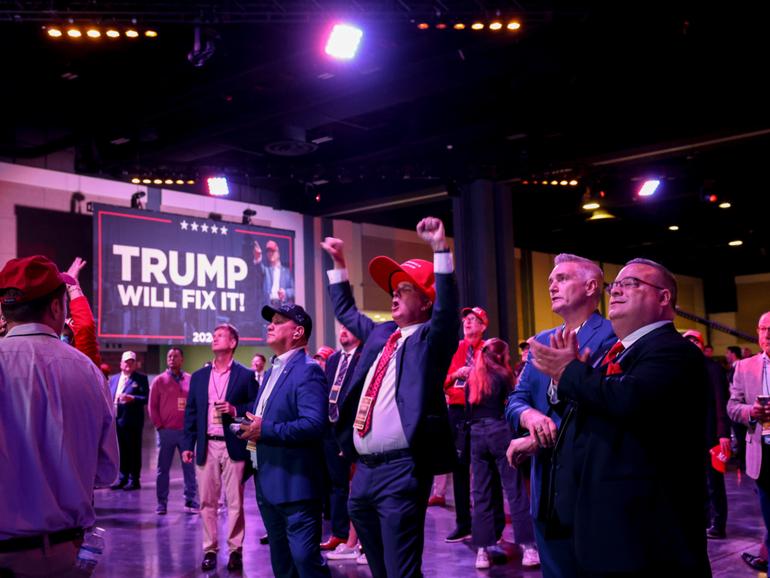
379, 375
613, 353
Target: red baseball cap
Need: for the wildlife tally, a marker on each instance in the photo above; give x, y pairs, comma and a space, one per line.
697, 335
718, 459
324, 352
34, 276
477, 311
388, 274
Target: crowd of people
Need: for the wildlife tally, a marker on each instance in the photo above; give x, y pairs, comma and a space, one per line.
567, 436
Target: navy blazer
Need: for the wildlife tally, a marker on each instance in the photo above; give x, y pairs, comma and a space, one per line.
421, 366
289, 452
532, 392
333, 362
131, 415
636, 504
241, 391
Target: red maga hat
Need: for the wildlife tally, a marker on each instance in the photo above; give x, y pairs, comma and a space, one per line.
324, 352
34, 277
388, 274
478, 312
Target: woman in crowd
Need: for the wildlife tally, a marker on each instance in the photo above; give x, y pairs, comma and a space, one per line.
490, 382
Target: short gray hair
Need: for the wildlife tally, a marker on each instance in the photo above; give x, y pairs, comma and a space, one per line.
669, 281
591, 269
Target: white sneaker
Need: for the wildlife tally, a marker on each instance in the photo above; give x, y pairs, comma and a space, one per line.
482, 559
343, 552
531, 557
362, 560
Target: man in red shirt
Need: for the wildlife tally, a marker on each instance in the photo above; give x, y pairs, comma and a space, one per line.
168, 398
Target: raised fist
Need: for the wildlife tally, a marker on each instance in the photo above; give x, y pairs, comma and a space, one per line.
335, 248
431, 230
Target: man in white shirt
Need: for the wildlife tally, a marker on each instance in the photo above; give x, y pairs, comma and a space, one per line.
632, 506
57, 430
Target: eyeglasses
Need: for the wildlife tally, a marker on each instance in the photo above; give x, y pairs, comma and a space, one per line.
628, 283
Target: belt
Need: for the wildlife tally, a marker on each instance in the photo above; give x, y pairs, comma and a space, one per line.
215, 438
32, 542
385, 457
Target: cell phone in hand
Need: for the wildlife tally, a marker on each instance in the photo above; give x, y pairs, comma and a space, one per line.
763, 399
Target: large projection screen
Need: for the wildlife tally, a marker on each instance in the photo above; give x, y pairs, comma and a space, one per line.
170, 279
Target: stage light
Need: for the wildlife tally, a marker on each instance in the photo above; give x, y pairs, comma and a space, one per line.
649, 187
513, 25
218, 186
459, 26
168, 182
590, 202
247, 215
74, 33
150, 33
563, 183
477, 26
136, 203
75, 200
554, 182
423, 26
673, 228
54, 32
112, 33
146, 181
441, 26
343, 41
736, 243
573, 183
179, 182
136, 180
131, 33
190, 181
93, 33
601, 214
725, 205
591, 205
496, 26
157, 181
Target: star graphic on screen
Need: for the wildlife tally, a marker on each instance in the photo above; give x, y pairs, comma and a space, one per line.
194, 226
184, 225
214, 229
223, 230
205, 228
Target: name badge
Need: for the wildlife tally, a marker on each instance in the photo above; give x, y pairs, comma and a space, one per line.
334, 394
181, 403
251, 446
363, 412
217, 417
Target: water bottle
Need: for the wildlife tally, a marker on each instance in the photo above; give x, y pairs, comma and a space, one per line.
91, 550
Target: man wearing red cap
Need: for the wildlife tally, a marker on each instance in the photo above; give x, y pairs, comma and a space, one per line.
475, 323
717, 432
392, 415
56, 426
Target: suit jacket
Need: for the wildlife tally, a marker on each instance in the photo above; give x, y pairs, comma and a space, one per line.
746, 386
241, 391
717, 424
637, 504
289, 453
421, 365
333, 362
532, 392
265, 278
131, 415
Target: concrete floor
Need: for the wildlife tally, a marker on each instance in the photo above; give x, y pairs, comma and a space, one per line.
143, 544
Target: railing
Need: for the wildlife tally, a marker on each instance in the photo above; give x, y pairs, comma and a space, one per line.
716, 326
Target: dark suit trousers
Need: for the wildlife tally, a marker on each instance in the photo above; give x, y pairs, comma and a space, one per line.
294, 530
387, 505
130, 444
557, 555
716, 505
338, 468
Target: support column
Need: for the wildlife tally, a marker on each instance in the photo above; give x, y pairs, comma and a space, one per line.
486, 267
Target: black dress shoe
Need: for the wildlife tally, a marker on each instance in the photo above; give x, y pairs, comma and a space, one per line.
235, 562
714, 533
264, 540
132, 486
120, 484
458, 535
756, 562
209, 561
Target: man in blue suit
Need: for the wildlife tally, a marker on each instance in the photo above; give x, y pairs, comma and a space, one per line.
392, 415
288, 424
575, 286
219, 392
130, 391
275, 280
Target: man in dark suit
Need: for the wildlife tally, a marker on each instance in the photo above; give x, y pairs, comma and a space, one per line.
393, 416
339, 371
575, 286
287, 425
130, 391
635, 508
274, 279
219, 392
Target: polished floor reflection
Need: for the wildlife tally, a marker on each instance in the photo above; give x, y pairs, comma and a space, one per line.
142, 544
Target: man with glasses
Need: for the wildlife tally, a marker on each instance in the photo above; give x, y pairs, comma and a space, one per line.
749, 406
635, 507
575, 288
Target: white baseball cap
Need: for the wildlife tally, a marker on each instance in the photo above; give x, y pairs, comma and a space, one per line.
128, 355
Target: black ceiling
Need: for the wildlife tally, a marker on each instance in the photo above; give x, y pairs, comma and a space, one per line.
607, 96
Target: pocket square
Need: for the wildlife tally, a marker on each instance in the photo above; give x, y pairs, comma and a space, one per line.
614, 368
